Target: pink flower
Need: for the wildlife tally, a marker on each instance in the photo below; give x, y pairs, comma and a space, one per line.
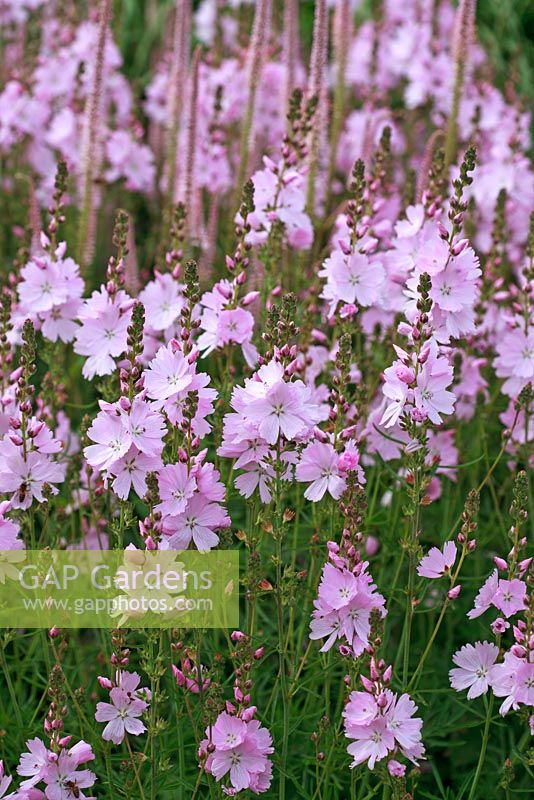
176, 487
415, 216
406, 728
122, 716
431, 394
360, 710
338, 587
281, 411
112, 441
196, 523
437, 562
524, 684
145, 427
5, 782
515, 359
228, 732
373, 742
103, 334
43, 285
432, 255
484, 598
163, 301
131, 470
319, 463
115, 430
34, 763
395, 769
167, 374
510, 596
474, 668
241, 751
63, 779
351, 278
280, 195
26, 476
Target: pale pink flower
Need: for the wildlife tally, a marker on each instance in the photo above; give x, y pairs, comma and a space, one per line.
510, 596
176, 487
351, 278
373, 742
196, 523
163, 301
484, 598
474, 668
130, 471
102, 338
63, 779
438, 562
122, 716
319, 463
168, 373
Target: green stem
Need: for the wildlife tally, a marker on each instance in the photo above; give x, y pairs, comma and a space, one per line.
11, 690
281, 638
482, 756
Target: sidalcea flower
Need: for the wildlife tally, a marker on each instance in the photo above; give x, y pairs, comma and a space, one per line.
475, 668
515, 359
117, 427
352, 278
344, 604
238, 751
319, 463
103, 333
122, 715
438, 562
176, 487
163, 300
59, 772
484, 598
380, 729
508, 596
168, 373
24, 476
372, 742
63, 779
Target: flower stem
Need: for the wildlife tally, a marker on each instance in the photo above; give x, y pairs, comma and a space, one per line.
482, 756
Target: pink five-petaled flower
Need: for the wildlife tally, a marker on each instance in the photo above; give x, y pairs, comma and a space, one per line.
484, 598
474, 668
338, 587
240, 750
431, 394
102, 337
122, 715
279, 412
168, 373
228, 732
197, 523
63, 779
406, 728
510, 596
436, 563
372, 742
176, 486
319, 463
33, 764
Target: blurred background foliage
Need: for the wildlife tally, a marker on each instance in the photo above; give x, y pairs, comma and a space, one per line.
505, 28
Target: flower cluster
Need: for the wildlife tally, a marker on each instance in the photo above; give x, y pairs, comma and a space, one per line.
382, 724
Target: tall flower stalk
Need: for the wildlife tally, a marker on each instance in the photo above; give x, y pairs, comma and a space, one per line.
91, 155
